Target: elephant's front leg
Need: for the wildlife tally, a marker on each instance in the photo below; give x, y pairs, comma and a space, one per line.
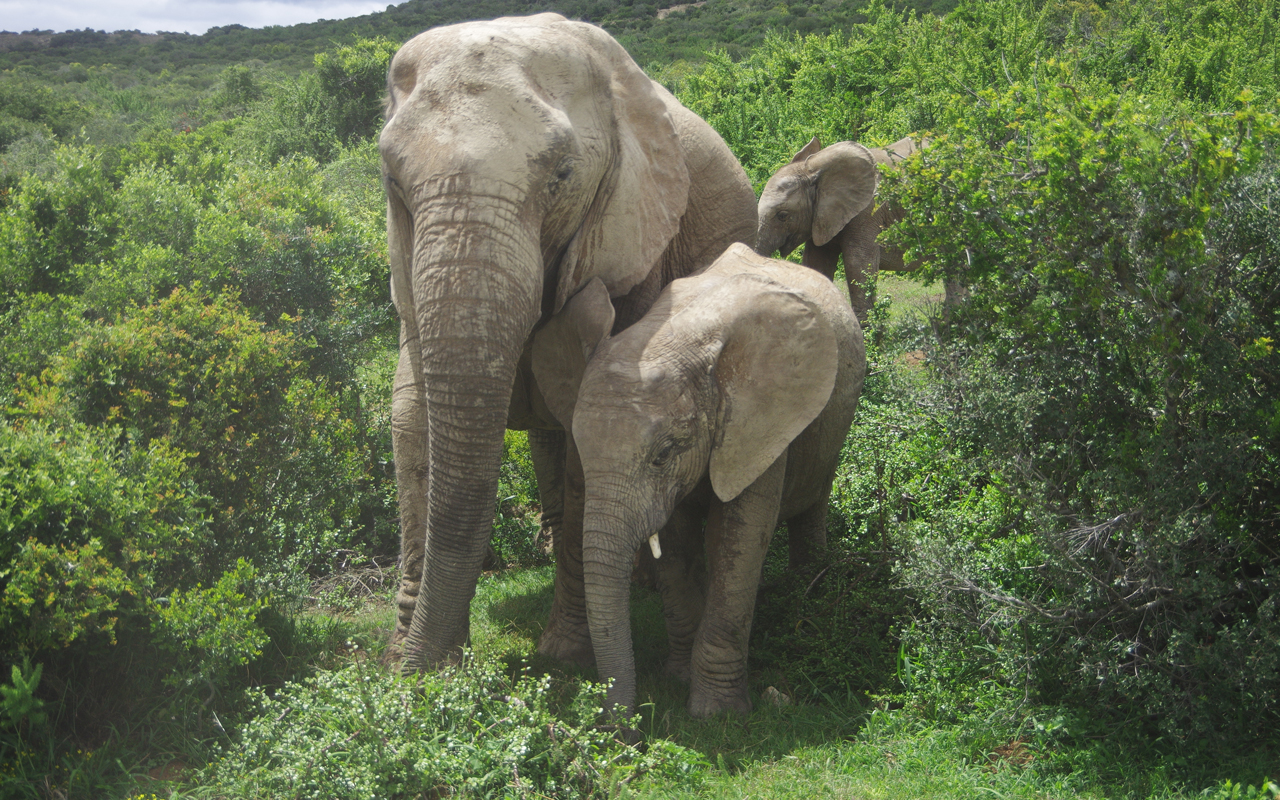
738, 534
567, 636
409, 444
682, 581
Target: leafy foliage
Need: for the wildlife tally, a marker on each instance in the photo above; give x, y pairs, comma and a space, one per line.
1113, 336
1054, 521
357, 732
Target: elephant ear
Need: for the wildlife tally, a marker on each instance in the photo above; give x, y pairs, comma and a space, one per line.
775, 374
562, 348
814, 145
639, 205
846, 177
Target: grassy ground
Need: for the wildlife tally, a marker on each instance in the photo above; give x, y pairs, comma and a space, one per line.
850, 748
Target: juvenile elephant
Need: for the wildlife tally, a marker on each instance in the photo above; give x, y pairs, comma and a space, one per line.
727, 403
824, 199
522, 159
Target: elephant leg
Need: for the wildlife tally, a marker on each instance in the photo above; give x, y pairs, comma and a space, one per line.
682, 578
567, 635
547, 449
861, 276
409, 444
738, 534
807, 535
861, 261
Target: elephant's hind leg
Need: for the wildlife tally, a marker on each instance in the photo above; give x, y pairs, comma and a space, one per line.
807, 535
547, 449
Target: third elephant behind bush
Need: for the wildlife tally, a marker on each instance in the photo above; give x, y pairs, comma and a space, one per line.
825, 199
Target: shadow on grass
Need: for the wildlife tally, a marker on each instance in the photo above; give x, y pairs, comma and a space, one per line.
508, 615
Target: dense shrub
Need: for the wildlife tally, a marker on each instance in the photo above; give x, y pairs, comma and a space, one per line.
28, 106
1113, 369
90, 531
319, 112
354, 77
54, 224
357, 733
277, 452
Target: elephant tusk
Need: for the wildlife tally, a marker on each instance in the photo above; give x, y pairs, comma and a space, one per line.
654, 546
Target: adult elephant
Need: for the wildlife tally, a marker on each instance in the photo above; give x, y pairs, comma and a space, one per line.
522, 158
824, 199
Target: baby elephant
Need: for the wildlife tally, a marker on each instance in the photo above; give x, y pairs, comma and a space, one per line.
824, 199
727, 404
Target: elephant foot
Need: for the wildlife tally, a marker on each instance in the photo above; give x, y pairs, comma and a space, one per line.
705, 702
566, 641
677, 667
394, 654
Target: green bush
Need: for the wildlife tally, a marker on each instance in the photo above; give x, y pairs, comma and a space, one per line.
211, 631
90, 530
318, 113
1112, 369
27, 105
358, 733
279, 454
52, 225
275, 237
516, 522
354, 77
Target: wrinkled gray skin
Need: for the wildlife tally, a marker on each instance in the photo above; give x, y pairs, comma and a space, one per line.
727, 404
824, 199
522, 158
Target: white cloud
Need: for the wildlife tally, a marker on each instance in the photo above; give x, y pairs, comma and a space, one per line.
150, 16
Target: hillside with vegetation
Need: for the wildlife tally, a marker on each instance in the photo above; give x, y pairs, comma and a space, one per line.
679, 31
1055, 538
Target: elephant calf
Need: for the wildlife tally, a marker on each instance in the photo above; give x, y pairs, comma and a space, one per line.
824, 199
727, 403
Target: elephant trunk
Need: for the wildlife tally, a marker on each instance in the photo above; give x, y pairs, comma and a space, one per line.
770, 240
476, 280
612, 533
767, 242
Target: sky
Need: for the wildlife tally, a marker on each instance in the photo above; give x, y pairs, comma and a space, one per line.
189, 16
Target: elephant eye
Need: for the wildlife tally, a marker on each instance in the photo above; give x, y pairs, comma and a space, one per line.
664, 453
782, 216
562, 174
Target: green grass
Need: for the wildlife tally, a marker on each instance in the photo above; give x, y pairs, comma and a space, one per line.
850, 748
908, 296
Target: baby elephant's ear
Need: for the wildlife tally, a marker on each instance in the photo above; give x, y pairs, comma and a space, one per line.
814, 145
775, 374
846, 183
563, 347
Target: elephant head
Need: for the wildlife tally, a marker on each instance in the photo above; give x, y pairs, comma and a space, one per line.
712, 385
522, 158
824, 199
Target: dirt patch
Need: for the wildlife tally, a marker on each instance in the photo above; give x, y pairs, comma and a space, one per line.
1015, 753
913, 359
